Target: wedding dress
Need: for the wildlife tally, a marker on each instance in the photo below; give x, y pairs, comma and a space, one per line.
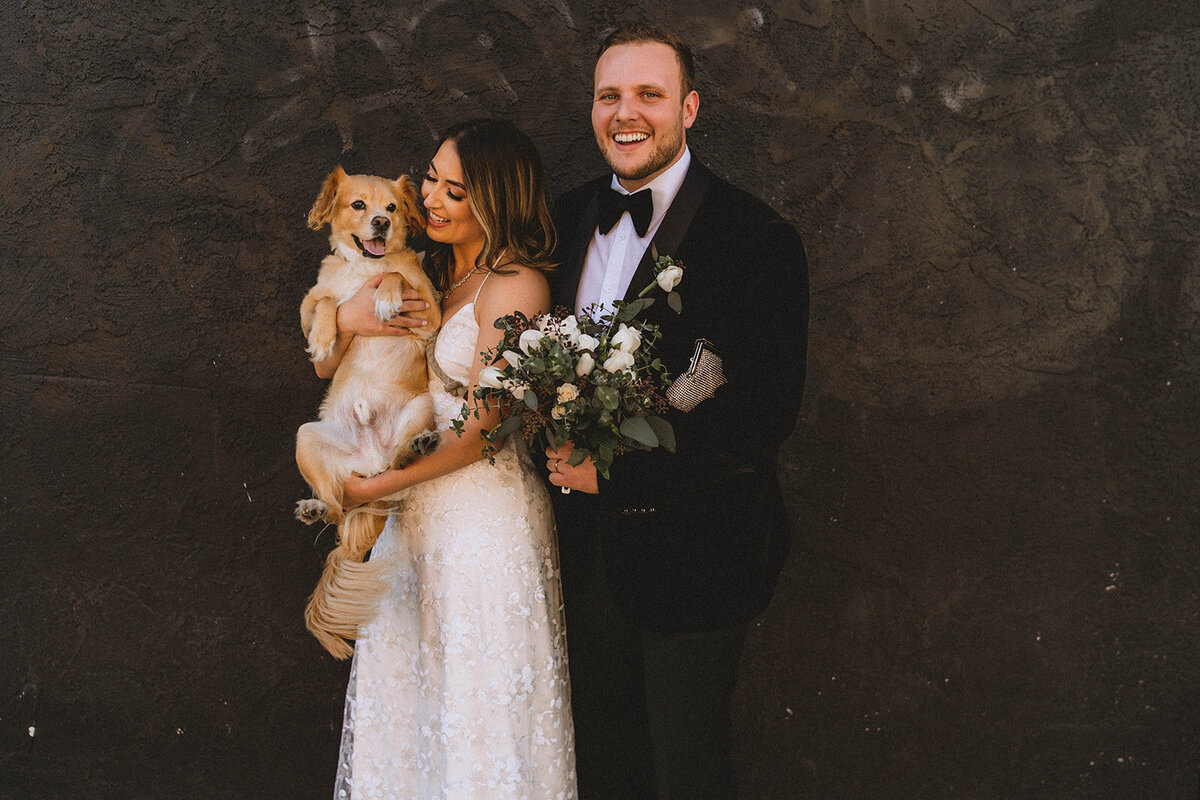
458, 688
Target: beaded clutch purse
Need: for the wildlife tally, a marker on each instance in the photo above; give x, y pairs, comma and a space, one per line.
701, 381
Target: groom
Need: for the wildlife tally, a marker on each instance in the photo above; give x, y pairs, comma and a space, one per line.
665, 564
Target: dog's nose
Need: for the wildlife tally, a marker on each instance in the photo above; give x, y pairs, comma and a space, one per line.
381, 223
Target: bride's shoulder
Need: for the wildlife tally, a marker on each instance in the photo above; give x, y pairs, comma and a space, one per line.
516, 285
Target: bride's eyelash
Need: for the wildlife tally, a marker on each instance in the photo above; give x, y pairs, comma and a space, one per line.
449, 193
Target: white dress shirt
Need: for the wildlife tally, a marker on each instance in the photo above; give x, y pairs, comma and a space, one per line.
613, 257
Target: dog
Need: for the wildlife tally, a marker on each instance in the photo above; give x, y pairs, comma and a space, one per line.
378, 412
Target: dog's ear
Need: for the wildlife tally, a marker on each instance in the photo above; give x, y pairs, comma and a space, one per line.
409, 206
322, 210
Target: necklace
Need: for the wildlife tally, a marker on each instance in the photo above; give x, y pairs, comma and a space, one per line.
450, 291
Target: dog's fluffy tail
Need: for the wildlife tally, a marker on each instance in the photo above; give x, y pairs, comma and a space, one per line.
348, 593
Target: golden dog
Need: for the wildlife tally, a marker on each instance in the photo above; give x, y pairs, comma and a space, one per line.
378, 412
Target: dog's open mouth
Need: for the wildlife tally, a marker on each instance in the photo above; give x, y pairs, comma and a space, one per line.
371, 248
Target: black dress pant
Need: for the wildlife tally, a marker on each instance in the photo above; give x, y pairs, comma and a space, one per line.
651, 709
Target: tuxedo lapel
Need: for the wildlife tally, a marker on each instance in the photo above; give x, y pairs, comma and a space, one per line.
674, 225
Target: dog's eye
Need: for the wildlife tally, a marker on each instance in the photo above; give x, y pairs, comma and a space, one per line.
358, 205
391, 207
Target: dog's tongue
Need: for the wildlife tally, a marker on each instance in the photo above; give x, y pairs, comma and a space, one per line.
374, 246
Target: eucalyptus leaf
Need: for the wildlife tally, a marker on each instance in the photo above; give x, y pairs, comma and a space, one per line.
631, 310
608, 398
675, 302
664, 432
507, 426
531, 399
638, 429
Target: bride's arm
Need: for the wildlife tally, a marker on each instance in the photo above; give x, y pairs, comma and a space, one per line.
525, 291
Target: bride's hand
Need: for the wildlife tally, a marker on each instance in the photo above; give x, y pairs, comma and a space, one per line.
357, 317
358, 490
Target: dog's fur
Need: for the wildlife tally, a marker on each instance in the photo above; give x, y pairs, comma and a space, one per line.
378, 412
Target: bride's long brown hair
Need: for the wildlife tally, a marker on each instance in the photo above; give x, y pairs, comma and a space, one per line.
506, 191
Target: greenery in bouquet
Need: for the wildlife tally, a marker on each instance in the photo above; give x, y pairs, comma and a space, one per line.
591, 379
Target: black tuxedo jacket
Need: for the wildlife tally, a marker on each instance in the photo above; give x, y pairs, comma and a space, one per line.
695, 540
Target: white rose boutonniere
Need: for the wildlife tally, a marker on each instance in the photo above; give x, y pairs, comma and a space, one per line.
670, 277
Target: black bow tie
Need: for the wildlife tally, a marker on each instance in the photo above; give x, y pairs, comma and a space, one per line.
640, 206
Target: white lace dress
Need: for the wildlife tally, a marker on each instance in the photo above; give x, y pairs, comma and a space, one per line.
458, 688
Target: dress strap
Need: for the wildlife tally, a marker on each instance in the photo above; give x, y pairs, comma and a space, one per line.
486, 275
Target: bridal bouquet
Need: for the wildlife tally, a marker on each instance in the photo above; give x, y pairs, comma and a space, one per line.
591, 379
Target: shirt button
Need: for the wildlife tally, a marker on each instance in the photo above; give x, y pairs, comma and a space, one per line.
620, 237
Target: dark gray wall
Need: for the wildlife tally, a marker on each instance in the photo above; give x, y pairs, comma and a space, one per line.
996, 581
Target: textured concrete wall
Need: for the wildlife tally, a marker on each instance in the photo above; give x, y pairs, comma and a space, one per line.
996, 583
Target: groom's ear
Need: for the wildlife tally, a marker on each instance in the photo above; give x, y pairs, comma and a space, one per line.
691, 108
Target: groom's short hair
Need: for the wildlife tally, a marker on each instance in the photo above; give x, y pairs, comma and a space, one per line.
635, 32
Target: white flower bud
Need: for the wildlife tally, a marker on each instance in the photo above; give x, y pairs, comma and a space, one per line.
669, 278
618, 361
585, 365
491, 377
626, 338
516, 388
529, 339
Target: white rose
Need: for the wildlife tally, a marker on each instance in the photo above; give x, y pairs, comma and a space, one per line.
567, 392
544, 322
513, 358
618, 361
627, 339
669, 278
516, 388
588, 342
585, 365
529, 339
491, 377
558, 412
570, 326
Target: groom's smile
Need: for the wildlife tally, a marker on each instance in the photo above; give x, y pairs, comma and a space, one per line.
640, 110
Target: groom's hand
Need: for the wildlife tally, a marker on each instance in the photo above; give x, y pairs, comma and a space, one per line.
582, 478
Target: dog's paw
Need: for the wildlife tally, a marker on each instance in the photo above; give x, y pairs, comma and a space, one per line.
426, 442
388, 303
321, 339
310, 511
319, 354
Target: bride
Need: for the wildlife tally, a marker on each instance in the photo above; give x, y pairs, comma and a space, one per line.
458, 687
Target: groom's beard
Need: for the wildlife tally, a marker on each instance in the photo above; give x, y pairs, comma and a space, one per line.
668, 145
